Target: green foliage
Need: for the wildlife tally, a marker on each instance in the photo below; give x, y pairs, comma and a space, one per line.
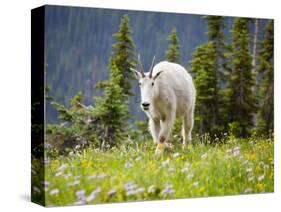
205, 79
242, 102
211, 72
123, 55
78, 127
266, 88
142, 128
240, 166
173, 52
111, 110
235, 129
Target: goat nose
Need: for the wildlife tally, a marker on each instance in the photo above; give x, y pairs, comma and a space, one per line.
145, 104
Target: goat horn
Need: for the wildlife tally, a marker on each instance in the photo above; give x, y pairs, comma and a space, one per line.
141, 67
151, 67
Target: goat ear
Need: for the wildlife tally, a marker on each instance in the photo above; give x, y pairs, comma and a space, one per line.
157, 75
137, 73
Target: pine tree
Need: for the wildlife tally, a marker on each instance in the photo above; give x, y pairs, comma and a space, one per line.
216, 35
123, 54
242, 102
209, 69
111, 110
266, 92
203, 69
173, 52
221, 49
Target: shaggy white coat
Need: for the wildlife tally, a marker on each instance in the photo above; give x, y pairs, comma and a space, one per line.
170, 93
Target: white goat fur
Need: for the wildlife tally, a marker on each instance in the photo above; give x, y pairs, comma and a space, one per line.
173, 95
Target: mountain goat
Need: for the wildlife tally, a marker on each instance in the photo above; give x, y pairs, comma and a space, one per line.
167, 92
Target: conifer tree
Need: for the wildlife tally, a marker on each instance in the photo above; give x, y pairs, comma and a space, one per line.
111, 110
266, 92
242, 102
209, 69
203, 69
173, 52
216, 36
123, 55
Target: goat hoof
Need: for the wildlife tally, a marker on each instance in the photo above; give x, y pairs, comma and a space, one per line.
160, 148
186, 146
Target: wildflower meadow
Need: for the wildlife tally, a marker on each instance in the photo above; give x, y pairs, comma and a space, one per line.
133, 172
98, 109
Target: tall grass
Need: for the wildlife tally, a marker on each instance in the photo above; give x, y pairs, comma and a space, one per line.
132, 172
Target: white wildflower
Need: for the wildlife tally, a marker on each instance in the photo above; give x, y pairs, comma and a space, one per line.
266, 166
190, 176
248, 190
102, 175
165, 162
111, 192
227, 157
171, 169
62, 167
80, 193
237, 148
260, 178
185, 169
196, 183
204, 155
236, 152
249, 170
245, 162
54, 192
130, 193
128, 165
76, 182
187, 164
138, 158
92, 196
58, 174
139, 190
151, 189
251, 178
71, 153
175, 155
90, 177
80, 202
66, 176
168, 190
130, 186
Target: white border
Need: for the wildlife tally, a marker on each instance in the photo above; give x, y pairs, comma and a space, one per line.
15, 102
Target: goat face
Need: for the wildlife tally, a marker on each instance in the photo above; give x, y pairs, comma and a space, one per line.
146, 83
146, 87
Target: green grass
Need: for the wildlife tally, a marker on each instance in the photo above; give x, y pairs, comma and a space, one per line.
236, 167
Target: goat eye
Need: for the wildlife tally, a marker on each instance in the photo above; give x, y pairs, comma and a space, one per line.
139, 84
152, 83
